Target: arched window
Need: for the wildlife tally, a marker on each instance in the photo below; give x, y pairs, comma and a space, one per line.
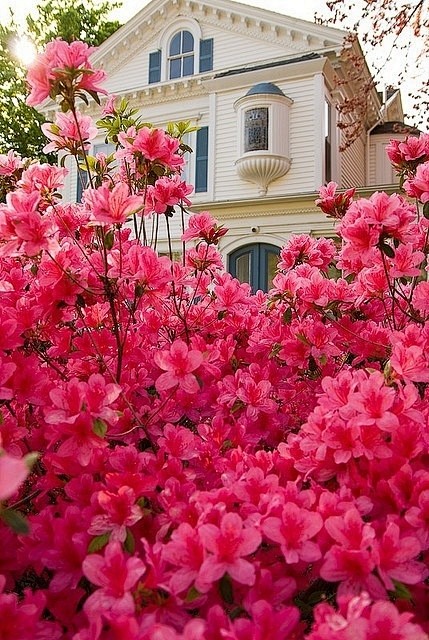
181, 55
255, 264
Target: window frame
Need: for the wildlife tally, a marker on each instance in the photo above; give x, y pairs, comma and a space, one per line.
330, 140
182, 56
164, 42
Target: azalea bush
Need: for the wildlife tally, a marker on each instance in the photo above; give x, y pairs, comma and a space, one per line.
182, 459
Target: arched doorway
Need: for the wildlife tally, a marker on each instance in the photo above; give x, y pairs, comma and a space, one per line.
255, 264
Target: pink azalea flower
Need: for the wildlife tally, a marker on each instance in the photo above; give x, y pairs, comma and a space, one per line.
293, 531
185, 551
406, 261
67, 132
418, 186
332, 203
373, 402
353, 559
112, 206
9, 163
413, 148
159, 147
266, 622
13, 472
203, 226
228, 545
178, 363
120, 511
62, 62
421, 297
116, 574
396, 558
385, 621
166, 193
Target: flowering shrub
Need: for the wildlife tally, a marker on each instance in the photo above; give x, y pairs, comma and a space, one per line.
212, 464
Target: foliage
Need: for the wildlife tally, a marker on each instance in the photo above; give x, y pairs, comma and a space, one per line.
213, 463
80, 20
20, 123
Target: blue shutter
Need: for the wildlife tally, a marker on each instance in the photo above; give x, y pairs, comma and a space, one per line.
82, 183
206, 55
201, 160
155, 66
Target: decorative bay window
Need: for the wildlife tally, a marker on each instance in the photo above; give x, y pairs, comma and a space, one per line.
263, 135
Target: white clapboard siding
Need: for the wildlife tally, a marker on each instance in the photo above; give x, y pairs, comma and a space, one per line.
353, 164
234, 49
300, 177
372, 168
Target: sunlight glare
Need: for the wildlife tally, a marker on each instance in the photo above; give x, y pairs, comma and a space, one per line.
25, 50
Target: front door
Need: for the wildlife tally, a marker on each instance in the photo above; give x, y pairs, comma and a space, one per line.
255, 264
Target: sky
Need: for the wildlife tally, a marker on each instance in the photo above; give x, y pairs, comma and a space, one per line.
304, 9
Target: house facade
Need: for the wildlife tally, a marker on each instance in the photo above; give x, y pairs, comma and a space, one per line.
263, 90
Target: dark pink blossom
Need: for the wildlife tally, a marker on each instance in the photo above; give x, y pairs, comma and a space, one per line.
116, 575
179, 363
228, 545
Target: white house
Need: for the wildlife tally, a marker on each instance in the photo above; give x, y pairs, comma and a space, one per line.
263, 90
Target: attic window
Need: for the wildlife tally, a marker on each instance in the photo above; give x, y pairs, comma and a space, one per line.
181, 55
256, 129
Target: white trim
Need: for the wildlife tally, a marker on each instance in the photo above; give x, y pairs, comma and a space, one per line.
211, 193
319, 126
242, 242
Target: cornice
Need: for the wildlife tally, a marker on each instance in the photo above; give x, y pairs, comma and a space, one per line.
289, 205
297, 35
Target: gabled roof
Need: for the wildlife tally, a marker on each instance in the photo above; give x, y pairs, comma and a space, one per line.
267, 65
298, 35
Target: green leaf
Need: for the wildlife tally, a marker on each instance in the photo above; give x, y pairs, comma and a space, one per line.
401, 591
287, 316
15, 521
80, 300
94, 95
225, 588
426, 210
30, 459
192, 595
99, 427
98, 542
387, 249
130, 543
109, 239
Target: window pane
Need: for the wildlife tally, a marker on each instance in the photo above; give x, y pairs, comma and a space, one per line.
243, 267
188, 65
188, 42
175, 68
175, 45
82, 183
272, 260
256, 129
